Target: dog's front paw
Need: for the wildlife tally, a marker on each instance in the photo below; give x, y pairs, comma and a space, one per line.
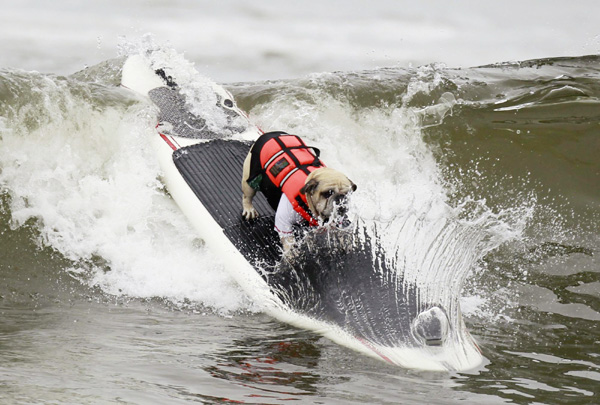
249, 213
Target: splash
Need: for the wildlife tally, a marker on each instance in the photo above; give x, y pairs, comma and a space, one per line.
77, 164
198, 90
423, 244
81, 166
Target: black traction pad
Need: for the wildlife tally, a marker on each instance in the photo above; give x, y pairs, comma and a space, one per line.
213, 170
336, 276
174, 110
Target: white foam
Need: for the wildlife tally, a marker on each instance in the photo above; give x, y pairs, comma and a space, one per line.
197, 89
402, 193
90, 178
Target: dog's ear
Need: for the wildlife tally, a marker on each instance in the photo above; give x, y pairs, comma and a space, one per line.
353, 187
309, 187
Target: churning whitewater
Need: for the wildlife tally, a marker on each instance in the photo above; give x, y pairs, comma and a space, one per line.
453, 168
83, 171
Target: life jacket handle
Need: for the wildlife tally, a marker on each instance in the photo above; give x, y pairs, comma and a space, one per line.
316, 153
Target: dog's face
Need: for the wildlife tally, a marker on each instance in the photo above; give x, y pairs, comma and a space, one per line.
326, 192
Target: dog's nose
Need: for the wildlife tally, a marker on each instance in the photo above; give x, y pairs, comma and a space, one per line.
341, 203
340, 199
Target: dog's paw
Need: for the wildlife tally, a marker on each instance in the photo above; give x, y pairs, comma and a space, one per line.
249, 213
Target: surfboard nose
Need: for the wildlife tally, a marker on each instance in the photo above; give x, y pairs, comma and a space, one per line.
431, 326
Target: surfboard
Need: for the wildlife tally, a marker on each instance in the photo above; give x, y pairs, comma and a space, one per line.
338, 282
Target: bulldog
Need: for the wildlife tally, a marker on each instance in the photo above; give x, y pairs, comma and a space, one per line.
296, 183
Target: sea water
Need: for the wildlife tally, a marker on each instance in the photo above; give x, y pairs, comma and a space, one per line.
109, 296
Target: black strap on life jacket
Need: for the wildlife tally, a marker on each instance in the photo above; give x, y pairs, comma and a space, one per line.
256, 168
288, 151
304, 206
304, 167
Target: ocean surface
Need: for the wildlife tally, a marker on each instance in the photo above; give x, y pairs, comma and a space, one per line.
472, 131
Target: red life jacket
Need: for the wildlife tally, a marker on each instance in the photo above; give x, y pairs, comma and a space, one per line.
285, 163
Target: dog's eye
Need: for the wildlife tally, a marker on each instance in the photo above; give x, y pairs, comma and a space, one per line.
328, 193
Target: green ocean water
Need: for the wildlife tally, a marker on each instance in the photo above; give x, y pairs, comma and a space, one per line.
107, 297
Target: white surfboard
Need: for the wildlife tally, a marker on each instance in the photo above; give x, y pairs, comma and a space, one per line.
333, 288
